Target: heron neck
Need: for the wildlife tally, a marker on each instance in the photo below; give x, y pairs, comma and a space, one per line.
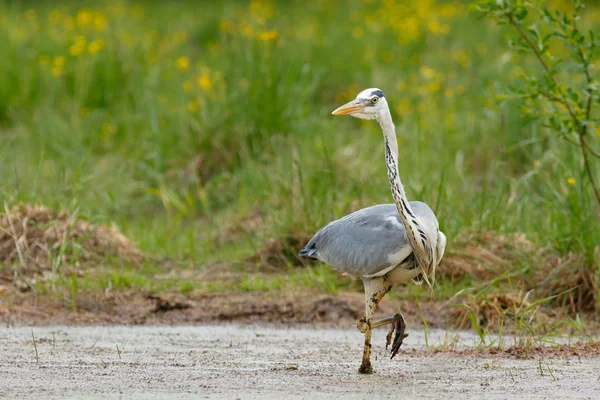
391, 153
407, 216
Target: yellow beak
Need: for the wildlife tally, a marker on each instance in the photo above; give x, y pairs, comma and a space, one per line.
349, 108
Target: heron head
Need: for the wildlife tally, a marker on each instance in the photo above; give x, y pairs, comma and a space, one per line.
368, 105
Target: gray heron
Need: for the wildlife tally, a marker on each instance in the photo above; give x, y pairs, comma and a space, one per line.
384, 245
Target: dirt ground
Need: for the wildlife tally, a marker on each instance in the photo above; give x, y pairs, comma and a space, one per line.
251, 361
136, 308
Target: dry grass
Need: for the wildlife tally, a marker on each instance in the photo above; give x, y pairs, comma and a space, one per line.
485, 255
37, 239
569, 282
237, 228
573, 285
281, 251
491, 311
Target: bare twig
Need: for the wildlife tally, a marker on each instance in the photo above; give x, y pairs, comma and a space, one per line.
588, 78
594, 152
37, 357
588, 167
585, 147
571, 141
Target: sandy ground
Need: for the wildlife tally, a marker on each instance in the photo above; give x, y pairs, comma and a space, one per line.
249, 362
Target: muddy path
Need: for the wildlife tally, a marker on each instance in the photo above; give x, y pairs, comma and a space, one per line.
246, 362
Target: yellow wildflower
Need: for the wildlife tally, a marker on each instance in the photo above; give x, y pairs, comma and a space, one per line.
403, 107
69, 23
269, 35
449, 118
80, 40
571, 181
448, 10
449, 92
83, 18
262, 8
536, 163
226, 26
204, 82
188, 86
56, 71
427, 72
95, 46
358, 32
76, 49
127, 39
194, 105
183, 63
214, 47
462, 57
110, 128
460, 89
387, 57
597, 131
247, 30
438, 29
100, 22
54, 16
59, 61
434, 87
107, 130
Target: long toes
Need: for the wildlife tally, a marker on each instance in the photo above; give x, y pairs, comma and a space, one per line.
399, 334
388, 338
397, 343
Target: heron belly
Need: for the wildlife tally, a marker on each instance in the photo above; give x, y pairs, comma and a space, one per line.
402, 275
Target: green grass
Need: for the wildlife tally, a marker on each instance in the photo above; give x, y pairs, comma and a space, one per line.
178, 152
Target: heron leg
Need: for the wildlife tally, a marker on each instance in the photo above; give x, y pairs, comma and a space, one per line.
396, 331
375, 289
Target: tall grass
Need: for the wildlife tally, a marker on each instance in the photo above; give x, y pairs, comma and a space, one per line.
178, 120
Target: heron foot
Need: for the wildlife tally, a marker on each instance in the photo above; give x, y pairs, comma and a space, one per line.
365, 368
397, 331
362, 325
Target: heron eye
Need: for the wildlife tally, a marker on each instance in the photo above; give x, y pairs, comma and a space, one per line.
374, 100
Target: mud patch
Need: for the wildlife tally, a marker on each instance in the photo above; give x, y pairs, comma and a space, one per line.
344, 309
579, 350
163, 304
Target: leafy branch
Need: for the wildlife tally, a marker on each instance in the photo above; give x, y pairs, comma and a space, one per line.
540, 30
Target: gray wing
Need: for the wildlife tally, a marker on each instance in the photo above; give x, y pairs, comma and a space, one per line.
368, 242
